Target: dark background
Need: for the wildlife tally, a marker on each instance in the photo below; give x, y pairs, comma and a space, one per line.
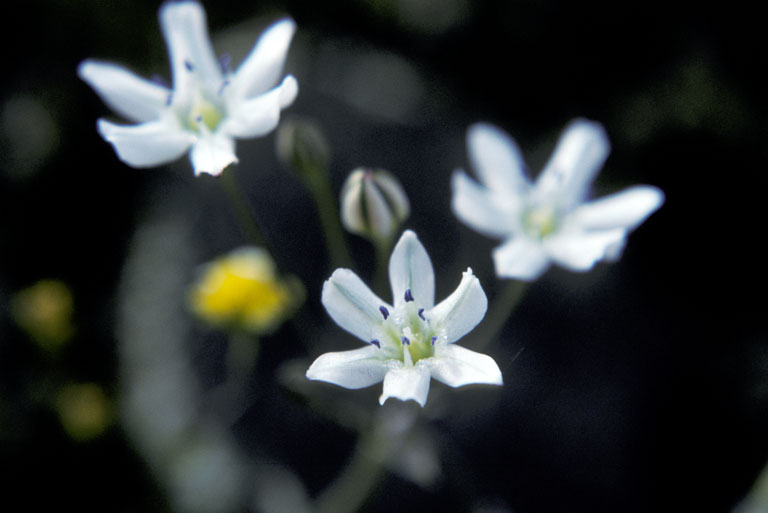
642, 386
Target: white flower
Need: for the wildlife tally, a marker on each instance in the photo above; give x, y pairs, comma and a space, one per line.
410, 342
549, 220
208, 107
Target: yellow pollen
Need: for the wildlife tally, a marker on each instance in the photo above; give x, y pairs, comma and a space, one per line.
540, 222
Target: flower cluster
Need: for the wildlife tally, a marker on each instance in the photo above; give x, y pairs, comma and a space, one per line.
411, 340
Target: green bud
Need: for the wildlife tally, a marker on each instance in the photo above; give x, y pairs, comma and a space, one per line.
373, 204
302, 147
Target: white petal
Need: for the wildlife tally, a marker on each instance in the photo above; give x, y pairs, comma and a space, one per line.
148, 144
393, 190
407, 383
477, 207
457, 366
127, 94
496, 159
377, 210
211, 153
411, 269
259, 116
579, 251
191, 53
579, 154
520, 258
625, 209
460, 312
352, 305
354, 369
264, 65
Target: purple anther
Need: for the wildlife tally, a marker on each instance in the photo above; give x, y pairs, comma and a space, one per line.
199, 118
376, 343
384, 312
405, 341
169, 99
160, 80
408, 295
434, 339
189, 66
421, 314
224, 83
225, 60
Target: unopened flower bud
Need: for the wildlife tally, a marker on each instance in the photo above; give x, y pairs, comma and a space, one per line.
302, 147
373, 204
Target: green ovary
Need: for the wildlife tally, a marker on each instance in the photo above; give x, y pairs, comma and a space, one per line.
420, 347
407, 323
204, 112
540, 222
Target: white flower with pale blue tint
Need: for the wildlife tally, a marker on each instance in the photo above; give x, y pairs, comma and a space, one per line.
208, 107
411, 341
548, 220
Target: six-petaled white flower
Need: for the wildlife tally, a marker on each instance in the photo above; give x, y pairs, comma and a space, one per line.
208, 107
549, 220
410, 342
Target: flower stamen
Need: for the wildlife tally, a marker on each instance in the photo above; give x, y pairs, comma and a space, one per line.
224, 61
223, 85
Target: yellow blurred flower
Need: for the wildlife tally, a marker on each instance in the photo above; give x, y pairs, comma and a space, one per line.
84, 410
242, 291
44, 311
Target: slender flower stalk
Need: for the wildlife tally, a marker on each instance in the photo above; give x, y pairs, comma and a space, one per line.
249, 224
303, 149
410, 341
208, 107
505, 302
549, 220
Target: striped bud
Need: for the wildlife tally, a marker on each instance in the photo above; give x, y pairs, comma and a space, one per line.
373, 204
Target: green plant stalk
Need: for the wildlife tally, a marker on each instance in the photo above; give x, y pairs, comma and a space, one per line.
381, 277
504, 304
248, 224
358, 480
317, 182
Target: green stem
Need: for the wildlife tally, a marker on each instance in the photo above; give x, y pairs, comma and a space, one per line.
229, 399
503, 305
757, 498
242, 209
353, 487
317, 182
242, 352
381, 277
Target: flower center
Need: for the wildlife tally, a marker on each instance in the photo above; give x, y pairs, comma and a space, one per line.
406, 333
204, 112
540, 221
